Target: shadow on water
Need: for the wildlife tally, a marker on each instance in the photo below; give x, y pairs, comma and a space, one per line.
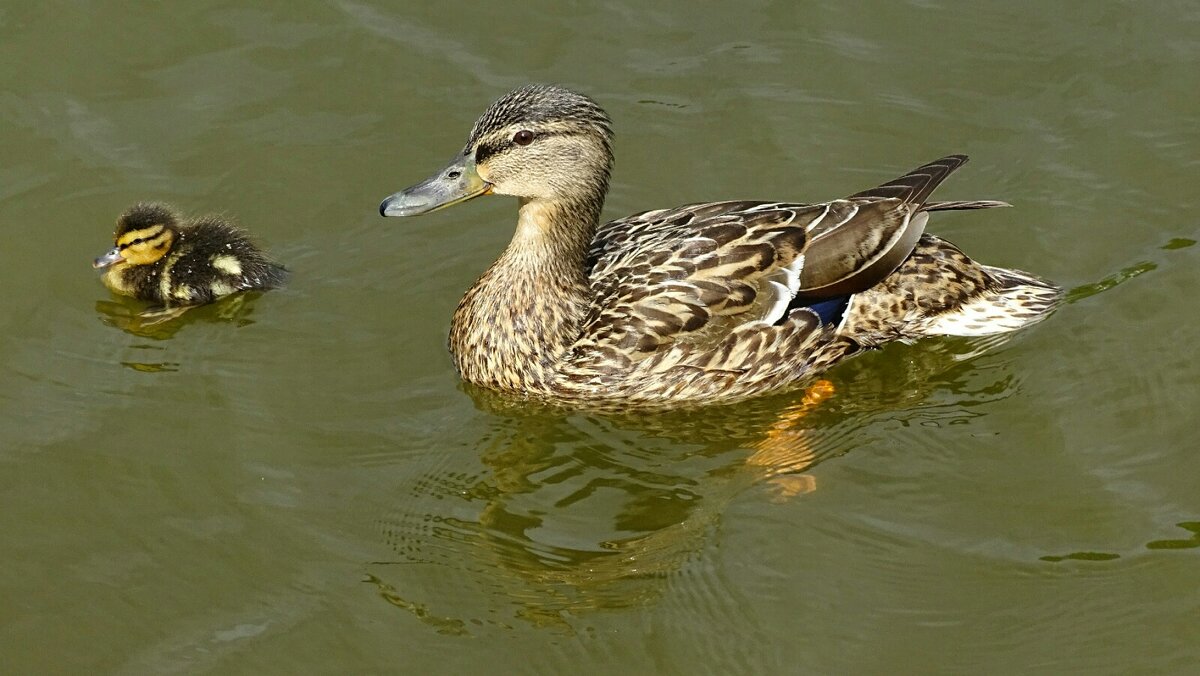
572, 513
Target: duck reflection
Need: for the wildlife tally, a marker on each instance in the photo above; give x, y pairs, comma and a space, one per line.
574, 512
162, 323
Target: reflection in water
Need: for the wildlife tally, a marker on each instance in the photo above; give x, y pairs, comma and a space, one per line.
572, 512
444, 625
162, 323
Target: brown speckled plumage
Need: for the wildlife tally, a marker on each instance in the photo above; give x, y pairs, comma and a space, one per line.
698, 303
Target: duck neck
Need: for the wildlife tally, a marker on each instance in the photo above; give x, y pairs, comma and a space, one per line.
519, 318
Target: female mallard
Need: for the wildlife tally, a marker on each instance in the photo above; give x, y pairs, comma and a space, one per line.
702, 302
160, 258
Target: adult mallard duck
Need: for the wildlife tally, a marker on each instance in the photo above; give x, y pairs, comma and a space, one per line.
700, 303
160, 258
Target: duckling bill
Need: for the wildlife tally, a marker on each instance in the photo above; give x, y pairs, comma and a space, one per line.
160, 257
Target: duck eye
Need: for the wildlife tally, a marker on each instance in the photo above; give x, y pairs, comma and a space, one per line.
523, 137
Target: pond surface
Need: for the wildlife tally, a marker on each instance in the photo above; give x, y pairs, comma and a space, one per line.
297, 483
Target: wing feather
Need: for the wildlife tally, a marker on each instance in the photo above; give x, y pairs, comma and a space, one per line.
697, 285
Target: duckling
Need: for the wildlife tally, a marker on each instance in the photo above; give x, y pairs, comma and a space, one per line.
160, 258
700, 303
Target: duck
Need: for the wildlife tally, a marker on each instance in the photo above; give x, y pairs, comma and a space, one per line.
161, 257
702, 303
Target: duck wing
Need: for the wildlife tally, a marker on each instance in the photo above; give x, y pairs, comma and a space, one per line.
693, 276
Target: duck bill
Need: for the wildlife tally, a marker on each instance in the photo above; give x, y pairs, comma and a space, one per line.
110, 257
458, 182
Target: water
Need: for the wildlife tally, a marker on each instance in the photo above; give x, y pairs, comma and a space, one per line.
298, 482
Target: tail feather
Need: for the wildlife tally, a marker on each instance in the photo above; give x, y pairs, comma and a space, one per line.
1017, 299
940, 291
937, 289
963, 204
916, 186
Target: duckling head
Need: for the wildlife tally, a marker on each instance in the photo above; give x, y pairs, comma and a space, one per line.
538, 142
145, 233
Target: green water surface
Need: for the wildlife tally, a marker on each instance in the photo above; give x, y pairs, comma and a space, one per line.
297, 483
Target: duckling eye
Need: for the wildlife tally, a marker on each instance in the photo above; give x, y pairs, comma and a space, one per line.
523, 137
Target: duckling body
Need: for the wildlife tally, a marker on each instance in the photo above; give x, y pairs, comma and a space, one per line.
701, 303
160, 258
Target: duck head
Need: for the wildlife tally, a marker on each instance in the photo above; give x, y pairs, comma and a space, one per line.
540, 143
